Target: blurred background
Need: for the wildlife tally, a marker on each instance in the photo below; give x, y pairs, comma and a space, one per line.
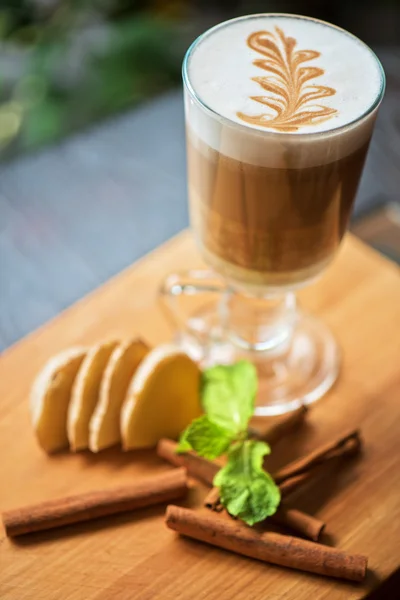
92, 160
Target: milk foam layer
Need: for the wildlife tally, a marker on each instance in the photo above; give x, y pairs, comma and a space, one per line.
221, 68
220, 71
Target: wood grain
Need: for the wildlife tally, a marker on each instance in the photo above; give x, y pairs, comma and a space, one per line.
123, 557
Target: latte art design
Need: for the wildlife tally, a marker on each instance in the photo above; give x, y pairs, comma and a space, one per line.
290, 97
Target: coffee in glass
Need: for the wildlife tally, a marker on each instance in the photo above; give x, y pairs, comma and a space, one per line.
277, 144
279, 114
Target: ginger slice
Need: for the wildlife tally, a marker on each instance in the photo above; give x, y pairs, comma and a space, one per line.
85, 394
50, 398
104, 427
162, 399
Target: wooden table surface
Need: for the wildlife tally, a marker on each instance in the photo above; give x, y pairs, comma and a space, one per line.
135, 556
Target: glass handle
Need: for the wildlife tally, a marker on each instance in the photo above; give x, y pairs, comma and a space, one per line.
200, 285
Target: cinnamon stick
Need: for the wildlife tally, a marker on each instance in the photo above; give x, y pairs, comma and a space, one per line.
297, 474
299, 521
304, 524
205, 470
281, 427
266, 546
196, 466
213, 500
346, 445
91, 505
291, 484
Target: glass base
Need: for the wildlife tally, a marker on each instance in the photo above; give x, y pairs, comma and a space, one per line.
298, 371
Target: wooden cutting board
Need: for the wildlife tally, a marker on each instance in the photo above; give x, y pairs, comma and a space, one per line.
135, 556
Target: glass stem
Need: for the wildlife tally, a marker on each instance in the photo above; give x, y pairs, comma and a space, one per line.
258, 324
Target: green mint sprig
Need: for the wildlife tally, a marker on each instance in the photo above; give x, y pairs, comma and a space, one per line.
206, 438
228, 396
246, 490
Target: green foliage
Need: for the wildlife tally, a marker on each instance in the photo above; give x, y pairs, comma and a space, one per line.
227, 395
206, 438
246, 490
83, 60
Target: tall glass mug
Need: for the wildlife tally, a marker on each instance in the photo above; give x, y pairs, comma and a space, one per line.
279, 114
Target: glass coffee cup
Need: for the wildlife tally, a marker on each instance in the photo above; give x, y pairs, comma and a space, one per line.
274, 162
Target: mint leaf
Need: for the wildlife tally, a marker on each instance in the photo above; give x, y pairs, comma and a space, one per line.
246, 490
183, 445
206, 438
228, 393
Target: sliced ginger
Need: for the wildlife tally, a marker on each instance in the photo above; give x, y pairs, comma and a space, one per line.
104, 427
162, 399
85, 394
50, 398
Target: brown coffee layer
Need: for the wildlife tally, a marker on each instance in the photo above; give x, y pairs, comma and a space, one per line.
267, 220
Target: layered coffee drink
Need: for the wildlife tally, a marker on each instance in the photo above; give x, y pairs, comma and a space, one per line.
279, 115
